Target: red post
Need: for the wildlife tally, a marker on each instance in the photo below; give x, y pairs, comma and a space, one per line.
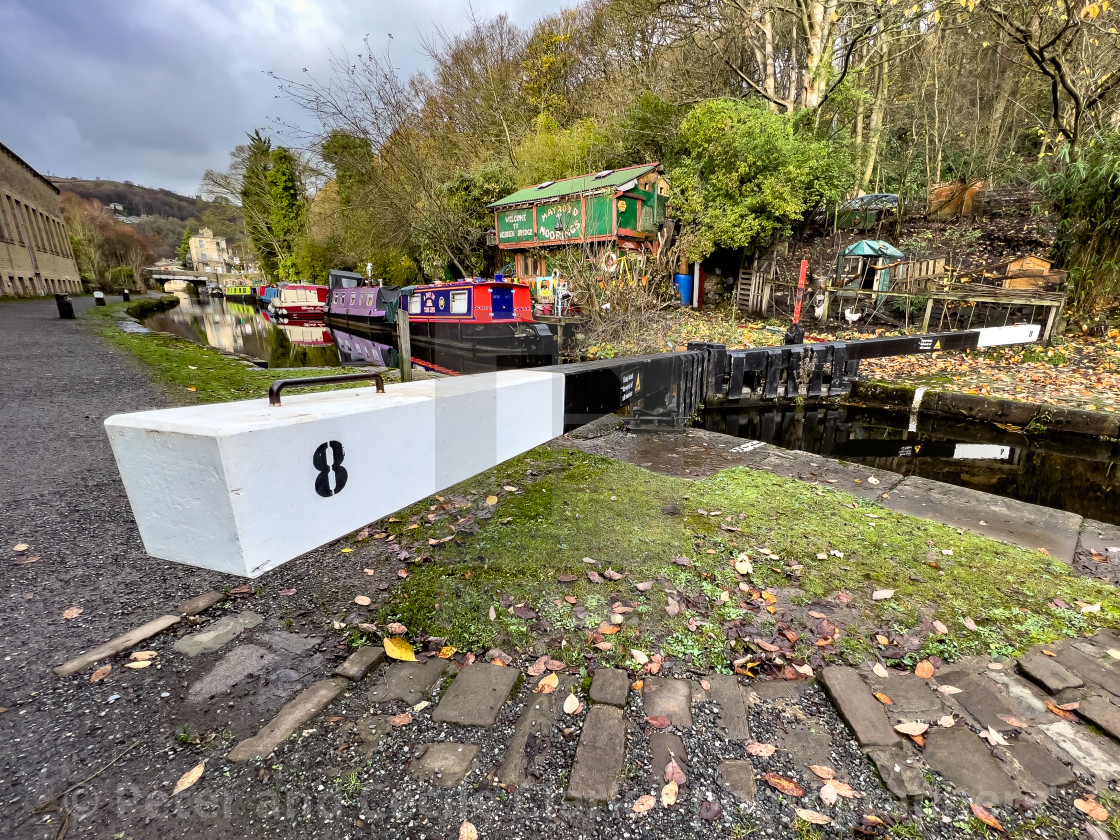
795, 334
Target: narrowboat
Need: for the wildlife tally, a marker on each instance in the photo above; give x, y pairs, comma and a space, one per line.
265, 294
480, 324
300, 301
241, 294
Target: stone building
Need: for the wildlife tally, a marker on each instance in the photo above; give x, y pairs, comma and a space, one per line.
35, 255
209, 253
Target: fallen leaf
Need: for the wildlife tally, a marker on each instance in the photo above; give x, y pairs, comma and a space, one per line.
604, 645
881, 594
1094, 833
879, 670
20, 547
814, 817
994, 738
594, 577
402, 573
72, 612
787, 786
643, 804
547, 685
669, 795
985, 817
607, 628
924, 669
675, 773
946, 721
761, 750
1091, 608
370, 571
100, 674
822, 772
399, 649
137, 665
659, 722
710, 810
403, 719
1091, 808
467, 831
884, 699
948, 689
286, 592
1069, 707
571, 703
969, 623
1014, 721
446, 652
995, 666
1049, 653
143, 655
940, 628
639, 656
881, 639
637, 685
912, 727
1115, 654
743, 565
645, 586
672, 607
362, 600
828, 794
766, 646
493, 613
395, 628
491, 500
189, 778
1064, 714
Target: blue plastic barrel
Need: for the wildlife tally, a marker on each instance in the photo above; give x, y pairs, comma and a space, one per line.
683, 282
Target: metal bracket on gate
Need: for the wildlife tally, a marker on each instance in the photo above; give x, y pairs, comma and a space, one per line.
280, 384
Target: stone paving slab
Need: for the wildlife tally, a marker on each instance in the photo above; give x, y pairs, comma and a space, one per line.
1090, 669
1021, 697
531, 736
476, 696
737, 778
962, 758
407, 681
118, 645
1101, 713
727, 693
823, 471
1035, 769
980, 698
1015, 522
610, 686
1048, 673
912, 697
1098, 537
859, 709
901, 774
599, 756
243, 661
308, 705
663, 747
218, 634
358, 664
668, 698
444, 764
280, 640
1097, 755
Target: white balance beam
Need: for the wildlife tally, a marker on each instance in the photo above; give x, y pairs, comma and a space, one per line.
243, 487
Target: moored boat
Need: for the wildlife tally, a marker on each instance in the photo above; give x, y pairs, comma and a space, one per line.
265, 294
299, 301
240, 293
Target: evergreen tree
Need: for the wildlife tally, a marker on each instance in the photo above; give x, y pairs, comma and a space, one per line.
287, 211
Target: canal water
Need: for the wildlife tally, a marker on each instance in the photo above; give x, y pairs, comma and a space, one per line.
1068, 472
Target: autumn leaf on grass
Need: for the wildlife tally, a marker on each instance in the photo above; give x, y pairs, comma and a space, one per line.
189, 778
1091, 808
491, 500
669, 795
100, 674
969, 623
986, 817
399, 649
643, 804
814, 817
547, 685
1062, 713
787, 786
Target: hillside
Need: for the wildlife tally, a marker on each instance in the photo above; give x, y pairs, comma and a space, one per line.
135, 199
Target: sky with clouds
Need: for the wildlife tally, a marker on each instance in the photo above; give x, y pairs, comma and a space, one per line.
158, 91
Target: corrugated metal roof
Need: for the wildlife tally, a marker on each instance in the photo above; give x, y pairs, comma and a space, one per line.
575, 186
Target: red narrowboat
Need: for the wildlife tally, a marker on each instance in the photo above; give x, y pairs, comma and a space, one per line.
300, 301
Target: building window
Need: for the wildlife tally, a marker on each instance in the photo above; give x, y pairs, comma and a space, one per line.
414, 304
16, 229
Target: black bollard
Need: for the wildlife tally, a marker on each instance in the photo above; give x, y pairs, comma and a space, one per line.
125, 296
98, 298
65, 307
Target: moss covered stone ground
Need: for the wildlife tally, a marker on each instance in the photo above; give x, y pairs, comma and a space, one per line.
814, 569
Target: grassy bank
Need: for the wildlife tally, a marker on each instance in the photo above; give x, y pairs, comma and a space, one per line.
813, 561
191, 372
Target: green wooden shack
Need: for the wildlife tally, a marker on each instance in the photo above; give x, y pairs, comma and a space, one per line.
613, 210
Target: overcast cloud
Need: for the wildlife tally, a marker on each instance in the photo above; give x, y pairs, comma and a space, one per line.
157, 92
